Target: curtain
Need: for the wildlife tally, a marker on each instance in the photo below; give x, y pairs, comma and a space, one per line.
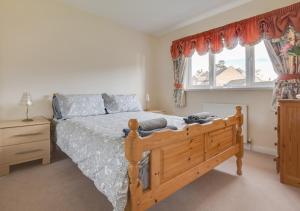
179, 67
287, 66
249, 31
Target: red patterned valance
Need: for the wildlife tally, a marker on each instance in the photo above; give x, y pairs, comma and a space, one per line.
247, 32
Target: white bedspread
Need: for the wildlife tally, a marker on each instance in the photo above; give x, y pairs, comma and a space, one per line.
95, 144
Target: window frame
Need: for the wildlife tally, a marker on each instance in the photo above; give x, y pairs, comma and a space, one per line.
250, 74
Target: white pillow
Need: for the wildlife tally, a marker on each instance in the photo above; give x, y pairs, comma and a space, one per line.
121, 103
80, 105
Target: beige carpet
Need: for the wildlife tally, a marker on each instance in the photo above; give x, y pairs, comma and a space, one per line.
61, 187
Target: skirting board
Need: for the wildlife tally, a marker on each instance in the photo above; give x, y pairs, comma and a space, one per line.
260, 149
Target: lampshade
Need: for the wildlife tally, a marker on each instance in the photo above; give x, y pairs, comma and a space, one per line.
26, 99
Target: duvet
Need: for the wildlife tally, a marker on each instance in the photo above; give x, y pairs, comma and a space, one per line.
96, 145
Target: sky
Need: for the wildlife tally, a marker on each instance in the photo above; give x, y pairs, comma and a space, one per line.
236, 58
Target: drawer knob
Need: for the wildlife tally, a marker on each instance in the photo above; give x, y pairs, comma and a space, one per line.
276, 144
275, 128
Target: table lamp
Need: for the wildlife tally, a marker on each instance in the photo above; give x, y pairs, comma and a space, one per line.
26, 100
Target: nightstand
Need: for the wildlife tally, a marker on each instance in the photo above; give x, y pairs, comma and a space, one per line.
24, 141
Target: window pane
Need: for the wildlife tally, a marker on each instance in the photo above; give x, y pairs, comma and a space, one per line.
264, 71
200, 70
230, 67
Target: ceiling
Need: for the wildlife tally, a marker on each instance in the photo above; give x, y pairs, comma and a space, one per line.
155, 17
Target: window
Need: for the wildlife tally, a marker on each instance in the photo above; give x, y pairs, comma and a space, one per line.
241, 67
200, 71
264, 71
230, 67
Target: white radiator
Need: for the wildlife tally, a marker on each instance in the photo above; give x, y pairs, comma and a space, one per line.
224, 110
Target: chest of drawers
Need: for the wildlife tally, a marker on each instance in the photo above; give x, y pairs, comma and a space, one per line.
288, 146
23, 141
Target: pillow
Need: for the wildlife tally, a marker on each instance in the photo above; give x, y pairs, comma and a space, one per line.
68, 106
55, 108
121, 103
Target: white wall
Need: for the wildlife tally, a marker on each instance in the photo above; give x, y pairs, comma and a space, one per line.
47, 46
261, 118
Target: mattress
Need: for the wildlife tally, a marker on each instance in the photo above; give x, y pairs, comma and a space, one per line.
96, 145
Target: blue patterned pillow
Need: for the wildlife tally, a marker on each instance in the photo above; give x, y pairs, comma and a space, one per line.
68, 106
121, 103
56, 108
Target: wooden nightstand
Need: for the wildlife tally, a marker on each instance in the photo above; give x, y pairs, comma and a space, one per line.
23, 141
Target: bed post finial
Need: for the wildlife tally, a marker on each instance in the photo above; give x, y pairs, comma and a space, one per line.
133, 153
133, 124
239, 139
238, 109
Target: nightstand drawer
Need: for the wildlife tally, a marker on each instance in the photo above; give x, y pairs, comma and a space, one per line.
24, 152
27, 134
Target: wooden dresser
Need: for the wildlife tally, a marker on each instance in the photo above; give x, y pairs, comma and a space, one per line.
288, 146
23, 141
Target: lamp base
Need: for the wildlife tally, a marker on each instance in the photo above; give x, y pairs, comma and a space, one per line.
27, 120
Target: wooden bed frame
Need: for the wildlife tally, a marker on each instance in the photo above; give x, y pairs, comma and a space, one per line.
179, 157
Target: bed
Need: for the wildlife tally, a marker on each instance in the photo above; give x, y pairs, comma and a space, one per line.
175, 158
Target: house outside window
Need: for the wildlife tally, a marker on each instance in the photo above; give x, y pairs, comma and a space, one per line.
241, 67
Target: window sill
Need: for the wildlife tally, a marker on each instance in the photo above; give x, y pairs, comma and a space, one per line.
230, 89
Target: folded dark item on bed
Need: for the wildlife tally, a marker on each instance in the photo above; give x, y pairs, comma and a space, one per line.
200, 118
144, 133
199, 121
153, 124
201, 115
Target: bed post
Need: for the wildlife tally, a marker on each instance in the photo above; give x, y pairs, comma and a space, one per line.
239, 139
133, 153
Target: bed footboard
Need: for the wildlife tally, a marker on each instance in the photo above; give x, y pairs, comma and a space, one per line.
177, 158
